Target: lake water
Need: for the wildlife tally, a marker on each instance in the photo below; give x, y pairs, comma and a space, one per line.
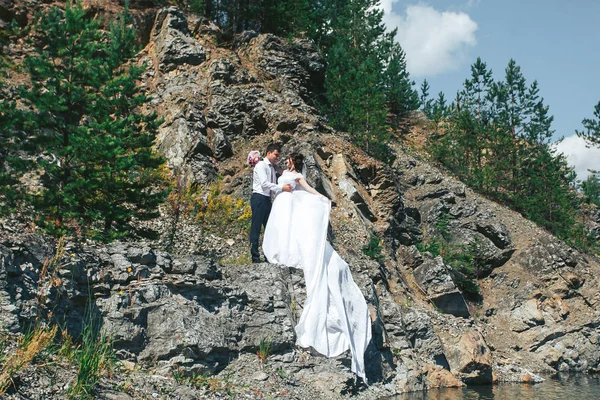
563, 387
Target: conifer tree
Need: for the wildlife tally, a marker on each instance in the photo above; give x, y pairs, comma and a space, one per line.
498, 141
425, 101
512, 105
546, 197
439, 110
281, 17
97, 144
289, 17
477, 90
400, 96
590, 188
353, 83
511, 98
9, 164
11, 135
475, 116
592, 128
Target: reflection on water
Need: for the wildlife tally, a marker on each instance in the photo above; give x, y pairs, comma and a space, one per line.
574, 386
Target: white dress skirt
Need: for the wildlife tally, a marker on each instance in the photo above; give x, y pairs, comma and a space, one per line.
335, 317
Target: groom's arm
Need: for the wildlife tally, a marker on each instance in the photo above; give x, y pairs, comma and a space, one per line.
261, 174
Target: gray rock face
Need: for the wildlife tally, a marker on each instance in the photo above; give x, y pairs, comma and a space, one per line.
23, 295
420, 333
496, 232
174, 45
442, 202
210, 103
9, 320
192, 315
436, 279
13, 11
548, 256
346, 181
198, 327
183, 313
592, 222
486, 254
509, 372
526, 316
300, 66
570, 351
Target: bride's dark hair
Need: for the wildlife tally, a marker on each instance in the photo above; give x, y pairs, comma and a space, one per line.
298, 161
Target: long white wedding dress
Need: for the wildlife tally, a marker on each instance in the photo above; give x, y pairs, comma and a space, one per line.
335, 317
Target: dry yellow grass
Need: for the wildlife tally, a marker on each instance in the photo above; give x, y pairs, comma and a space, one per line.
40, 339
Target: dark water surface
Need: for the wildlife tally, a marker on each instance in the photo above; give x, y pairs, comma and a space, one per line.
563, 387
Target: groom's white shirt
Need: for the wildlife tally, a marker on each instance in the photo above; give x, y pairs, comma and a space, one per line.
261, 179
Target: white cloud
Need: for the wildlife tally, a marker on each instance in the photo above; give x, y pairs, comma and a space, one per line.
434, 41
579, 156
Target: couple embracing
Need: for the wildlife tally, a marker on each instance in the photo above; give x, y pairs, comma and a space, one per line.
335, 316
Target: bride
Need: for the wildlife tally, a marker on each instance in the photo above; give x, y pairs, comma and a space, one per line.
335, 317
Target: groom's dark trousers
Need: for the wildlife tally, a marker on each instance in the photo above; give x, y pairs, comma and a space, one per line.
261, 208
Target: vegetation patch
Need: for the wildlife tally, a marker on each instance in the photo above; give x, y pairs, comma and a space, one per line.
464, 260
32, 344
374, 249
214, 211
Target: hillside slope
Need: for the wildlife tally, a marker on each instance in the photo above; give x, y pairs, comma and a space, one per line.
197, 312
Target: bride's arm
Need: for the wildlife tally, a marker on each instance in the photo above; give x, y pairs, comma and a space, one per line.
302, 182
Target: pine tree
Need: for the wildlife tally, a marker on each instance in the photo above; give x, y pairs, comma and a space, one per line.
355, 56
400, 96
10, 165
97, 144
11, 133
475, 106
590, 188
512, 105
497, 139
476, 94
425, 101
548, 199
291, 18
439, 110
592, 128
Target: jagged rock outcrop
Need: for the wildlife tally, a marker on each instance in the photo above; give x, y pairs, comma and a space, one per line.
174, 44
210, 105
536, 291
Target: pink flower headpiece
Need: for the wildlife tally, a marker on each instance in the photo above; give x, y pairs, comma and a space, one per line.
253, 158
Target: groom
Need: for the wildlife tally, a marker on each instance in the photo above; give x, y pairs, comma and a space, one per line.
264, 186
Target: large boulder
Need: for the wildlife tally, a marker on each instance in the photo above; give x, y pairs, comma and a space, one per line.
436, 279
526, 316
468, 356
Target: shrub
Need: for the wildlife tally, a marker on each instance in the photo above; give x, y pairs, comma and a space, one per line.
374, 249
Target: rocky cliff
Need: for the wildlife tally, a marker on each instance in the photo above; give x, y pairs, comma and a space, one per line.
192, 312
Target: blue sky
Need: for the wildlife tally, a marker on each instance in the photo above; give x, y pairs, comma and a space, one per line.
555, 42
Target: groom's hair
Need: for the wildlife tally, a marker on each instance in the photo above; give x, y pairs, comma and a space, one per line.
298, 160
272, 147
